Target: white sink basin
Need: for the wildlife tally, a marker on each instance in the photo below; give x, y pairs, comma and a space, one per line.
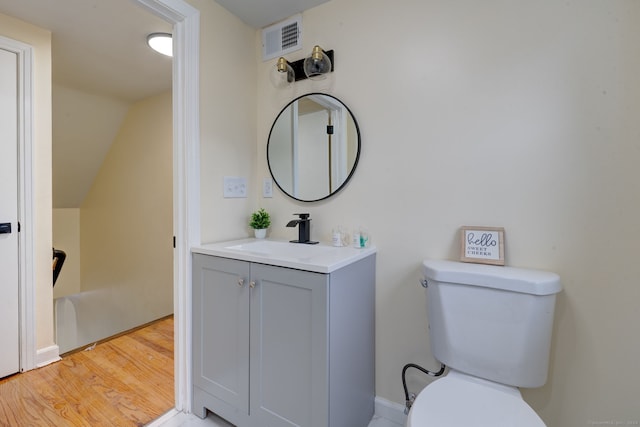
279, 249
320, 258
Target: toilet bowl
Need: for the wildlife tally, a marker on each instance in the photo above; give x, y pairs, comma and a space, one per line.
492, 327
460, 400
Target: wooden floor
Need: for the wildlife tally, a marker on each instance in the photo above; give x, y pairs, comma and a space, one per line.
126, 381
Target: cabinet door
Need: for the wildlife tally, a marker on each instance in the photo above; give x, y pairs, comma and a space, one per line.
221, 330
289, 362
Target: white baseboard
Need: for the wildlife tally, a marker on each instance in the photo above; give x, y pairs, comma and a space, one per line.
390, 410
47, 355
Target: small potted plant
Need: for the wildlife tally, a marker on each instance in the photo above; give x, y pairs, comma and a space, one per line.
260, 221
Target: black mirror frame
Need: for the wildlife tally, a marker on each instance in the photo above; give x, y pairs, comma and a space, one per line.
355, 163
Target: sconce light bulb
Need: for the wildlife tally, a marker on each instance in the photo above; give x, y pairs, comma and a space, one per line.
317, 53
317, 65
282, 65
284, 73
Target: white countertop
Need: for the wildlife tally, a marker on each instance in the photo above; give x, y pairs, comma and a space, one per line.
320, 258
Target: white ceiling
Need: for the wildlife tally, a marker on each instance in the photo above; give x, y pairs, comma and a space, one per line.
99, 50
99, 46
261, 13
100, 65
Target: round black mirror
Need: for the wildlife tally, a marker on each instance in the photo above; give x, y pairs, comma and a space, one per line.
313, 147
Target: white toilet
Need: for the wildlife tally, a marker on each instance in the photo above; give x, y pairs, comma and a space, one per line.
492, 327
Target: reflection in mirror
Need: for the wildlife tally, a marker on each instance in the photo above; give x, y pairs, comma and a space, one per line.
313, 147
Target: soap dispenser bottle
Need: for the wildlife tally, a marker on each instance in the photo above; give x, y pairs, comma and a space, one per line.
355, 238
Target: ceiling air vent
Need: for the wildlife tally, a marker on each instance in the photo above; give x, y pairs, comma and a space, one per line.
282, 38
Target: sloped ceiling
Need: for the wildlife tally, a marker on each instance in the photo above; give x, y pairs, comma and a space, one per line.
99, 46
100, 65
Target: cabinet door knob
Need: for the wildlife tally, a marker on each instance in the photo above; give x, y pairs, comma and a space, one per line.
252, 284
240, 282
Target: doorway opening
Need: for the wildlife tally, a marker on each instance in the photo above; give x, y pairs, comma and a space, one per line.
118, 271
112, 180
186, 210
185, 175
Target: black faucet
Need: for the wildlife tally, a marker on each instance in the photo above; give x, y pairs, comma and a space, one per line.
304, 228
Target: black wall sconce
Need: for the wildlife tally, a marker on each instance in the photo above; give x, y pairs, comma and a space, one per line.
316, 66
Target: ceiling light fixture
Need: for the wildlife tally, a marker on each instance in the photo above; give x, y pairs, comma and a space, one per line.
161, 43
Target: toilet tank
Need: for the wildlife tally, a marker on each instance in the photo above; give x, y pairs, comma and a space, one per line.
491, 322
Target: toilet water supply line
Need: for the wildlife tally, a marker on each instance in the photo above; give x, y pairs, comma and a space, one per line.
409, 398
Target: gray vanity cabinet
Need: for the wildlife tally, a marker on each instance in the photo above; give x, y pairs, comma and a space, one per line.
281, 347
221, 336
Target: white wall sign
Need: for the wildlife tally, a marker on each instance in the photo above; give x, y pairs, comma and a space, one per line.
483, 245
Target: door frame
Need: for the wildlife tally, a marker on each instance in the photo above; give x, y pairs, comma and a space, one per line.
186, 176
186, 184
26, 243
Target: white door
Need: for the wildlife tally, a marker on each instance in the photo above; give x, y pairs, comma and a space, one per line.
9, 333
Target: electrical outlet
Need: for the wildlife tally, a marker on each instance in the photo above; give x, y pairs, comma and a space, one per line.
235, 186
267, 187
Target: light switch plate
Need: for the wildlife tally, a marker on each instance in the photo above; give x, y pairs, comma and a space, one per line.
267, 187
235, 186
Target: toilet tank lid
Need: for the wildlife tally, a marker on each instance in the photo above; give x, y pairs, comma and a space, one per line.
534, 282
